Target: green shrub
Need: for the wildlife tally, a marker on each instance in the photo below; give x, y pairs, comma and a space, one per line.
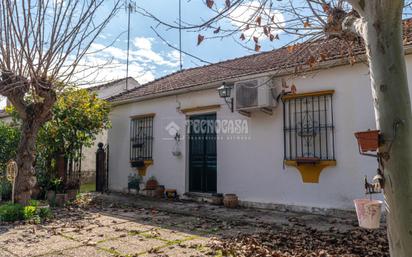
36, 213
34, 203
45, 213
11, 212
29, 212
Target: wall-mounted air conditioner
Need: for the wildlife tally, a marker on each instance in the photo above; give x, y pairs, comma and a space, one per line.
256, 94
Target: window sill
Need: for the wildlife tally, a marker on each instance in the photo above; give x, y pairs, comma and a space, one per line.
143, 168
310, 171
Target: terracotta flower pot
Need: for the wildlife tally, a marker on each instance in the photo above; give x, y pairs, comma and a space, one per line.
230, 201
368, 140
216, 199
61, 199
151, 184
50, 195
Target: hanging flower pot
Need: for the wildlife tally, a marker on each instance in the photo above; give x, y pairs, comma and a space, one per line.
368, 213
368, 140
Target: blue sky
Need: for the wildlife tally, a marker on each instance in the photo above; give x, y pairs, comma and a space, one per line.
150, 57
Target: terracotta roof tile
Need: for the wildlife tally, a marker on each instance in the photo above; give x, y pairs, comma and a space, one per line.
277, 60
108, 84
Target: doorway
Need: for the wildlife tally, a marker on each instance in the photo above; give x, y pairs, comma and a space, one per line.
202, 154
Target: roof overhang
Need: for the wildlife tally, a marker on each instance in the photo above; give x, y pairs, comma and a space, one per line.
275, 73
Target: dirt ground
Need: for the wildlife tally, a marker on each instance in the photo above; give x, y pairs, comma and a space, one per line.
118, 225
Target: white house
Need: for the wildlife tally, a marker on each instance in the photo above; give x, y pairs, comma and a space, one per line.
296, 150
103, 91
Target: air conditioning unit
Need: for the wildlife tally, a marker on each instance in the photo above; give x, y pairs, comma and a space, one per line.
255, 94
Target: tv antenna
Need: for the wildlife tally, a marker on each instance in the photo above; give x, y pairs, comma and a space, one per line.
130, 6
180, 34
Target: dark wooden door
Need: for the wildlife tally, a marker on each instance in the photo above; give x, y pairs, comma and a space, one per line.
202, 154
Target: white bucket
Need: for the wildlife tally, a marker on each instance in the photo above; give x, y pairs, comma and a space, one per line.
368, 212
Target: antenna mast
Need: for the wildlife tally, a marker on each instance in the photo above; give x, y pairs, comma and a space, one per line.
130, 6
180, 34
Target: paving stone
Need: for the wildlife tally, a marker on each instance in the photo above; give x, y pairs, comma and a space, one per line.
150, 225
167, 234
177, 251
131, 245
96, 234
133, 227
105, 220
6, 254
86, 251
26, 248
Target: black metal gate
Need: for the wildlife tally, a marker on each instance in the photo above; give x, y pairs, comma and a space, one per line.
74, 167
102, 168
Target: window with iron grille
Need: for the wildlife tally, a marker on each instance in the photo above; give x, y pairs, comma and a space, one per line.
308, 127
141, 138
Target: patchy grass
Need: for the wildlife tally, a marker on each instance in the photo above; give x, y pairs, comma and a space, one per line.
86, 188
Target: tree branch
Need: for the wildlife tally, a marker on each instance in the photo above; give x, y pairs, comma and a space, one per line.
354, 25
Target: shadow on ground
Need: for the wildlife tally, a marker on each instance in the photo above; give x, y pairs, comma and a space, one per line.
119, 225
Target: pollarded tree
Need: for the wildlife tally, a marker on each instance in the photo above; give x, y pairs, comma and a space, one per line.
78, 117
375, 24
41, 43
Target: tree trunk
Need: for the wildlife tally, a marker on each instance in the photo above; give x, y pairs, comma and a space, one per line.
26, 178
382, 32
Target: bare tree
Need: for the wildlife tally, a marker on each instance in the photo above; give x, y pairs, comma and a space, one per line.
41, 43
373, 25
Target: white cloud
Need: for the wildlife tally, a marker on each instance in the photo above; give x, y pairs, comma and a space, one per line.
142, 52
103, 63
96, 69
174, 55
143, 43
245, 12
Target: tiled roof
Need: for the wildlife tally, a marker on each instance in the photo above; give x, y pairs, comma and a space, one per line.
111, 83
302, 57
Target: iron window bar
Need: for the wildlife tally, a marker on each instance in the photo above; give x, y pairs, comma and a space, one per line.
309, 127
141, 138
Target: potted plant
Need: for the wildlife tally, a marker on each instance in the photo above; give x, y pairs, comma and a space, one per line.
151, 183
54, 185
134, 181
60, 198
216, 199
368, 140
230, 201
72, 189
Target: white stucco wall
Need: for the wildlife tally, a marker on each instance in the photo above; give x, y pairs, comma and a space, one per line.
89, 153
253, 169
